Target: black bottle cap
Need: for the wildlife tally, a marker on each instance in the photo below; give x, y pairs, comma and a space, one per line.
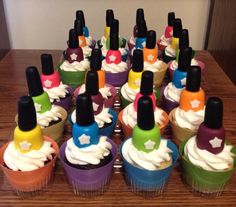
91, 85
47, 64
137, 65
115, 27
84, 110
145, 114
142, 29
26, 114
177, 28
213, 113
146, 87
33, 81
184, 39
73, 39
114, 42
139, 15
151, 39
96, 59
80, 16
171, 18
185, 57
193, 79
109, 17
78, 27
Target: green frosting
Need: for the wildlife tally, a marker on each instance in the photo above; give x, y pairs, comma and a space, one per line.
42, 103
146, 140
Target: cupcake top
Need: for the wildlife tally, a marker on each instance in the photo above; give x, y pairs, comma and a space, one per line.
28, 151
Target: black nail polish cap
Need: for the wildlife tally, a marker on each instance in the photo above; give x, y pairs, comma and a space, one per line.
78, 27
73, 39
91, 85
185, 57
142, 29
96, 59
146, 87
137, 65
115, 27
171, 18
109, 17
114, 42
151, 39
184, 39
177, 28
80, 16
47, 64
139, 15
193, 79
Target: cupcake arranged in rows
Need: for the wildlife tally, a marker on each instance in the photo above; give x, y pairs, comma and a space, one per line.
148, 159
104, 117
128, 116
87, 157
29, 159
72, 70
51, 118
208, 160
186, 118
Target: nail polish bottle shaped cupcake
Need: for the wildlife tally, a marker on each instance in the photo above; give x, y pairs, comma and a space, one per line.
140, 42
80, 16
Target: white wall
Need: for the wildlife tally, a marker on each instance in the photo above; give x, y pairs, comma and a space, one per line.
44, 24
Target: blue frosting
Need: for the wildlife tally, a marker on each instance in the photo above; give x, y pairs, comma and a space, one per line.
139, 42
178, 77
85, 31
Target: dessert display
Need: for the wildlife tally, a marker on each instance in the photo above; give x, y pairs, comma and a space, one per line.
128, 116
72, 70
29, 159
186, 118
87, 157
147, 158
51, 118
208, 160
59, 93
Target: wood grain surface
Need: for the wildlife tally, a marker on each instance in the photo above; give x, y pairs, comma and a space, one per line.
59, 193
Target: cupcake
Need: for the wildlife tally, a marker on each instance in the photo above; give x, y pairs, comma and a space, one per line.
169, 53
59, 93
208, 160
186, 118
104, 117
128, 116
116, 70
171, 92
183, 43
72, 70
51, 118
87, 158
165, 39
151, 62
108, 91
89, 40
28, 160
147, 158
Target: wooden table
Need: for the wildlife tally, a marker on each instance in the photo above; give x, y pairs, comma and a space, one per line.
13, 85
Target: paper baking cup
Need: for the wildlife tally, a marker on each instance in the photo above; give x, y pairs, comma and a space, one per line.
117, 79
167, 104
167, 58
179, 133
204, 181
159, 75
148, 182
29, 183
127, 130
88, 182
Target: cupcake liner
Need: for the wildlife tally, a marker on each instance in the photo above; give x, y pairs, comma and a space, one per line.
159, 75
179, 133
124, 102
88, 182
127, 130
148, 181
117, 79
167, 104
204, 181
27, 183
167, 58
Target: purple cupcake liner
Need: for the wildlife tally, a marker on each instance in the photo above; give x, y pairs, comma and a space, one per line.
117, 79
66, 102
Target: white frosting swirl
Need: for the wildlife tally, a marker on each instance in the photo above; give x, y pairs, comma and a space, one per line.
87, 155
87, 51
154, 67
53, 115
57, 92
169, 51
114, 68
103, 41
174, 64
207, 160
172, 93
148, 161
128, 93
122, 50
89, 40
189, 119
165, 41
75, 66
129, 116
32, 160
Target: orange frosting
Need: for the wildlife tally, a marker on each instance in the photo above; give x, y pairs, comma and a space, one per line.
150, 55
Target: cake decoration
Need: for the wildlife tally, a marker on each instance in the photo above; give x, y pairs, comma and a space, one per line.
169, 28
80, 16
78, 27
139, 18
109, 19
177, 30
150, 52
140, 41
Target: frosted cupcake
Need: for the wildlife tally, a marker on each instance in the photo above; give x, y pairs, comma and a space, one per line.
208, 160
147, 158
151, 62
87, 158
72, 70
51, 118
108, 91
128, 116
29, 159
59, 93
186, 118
